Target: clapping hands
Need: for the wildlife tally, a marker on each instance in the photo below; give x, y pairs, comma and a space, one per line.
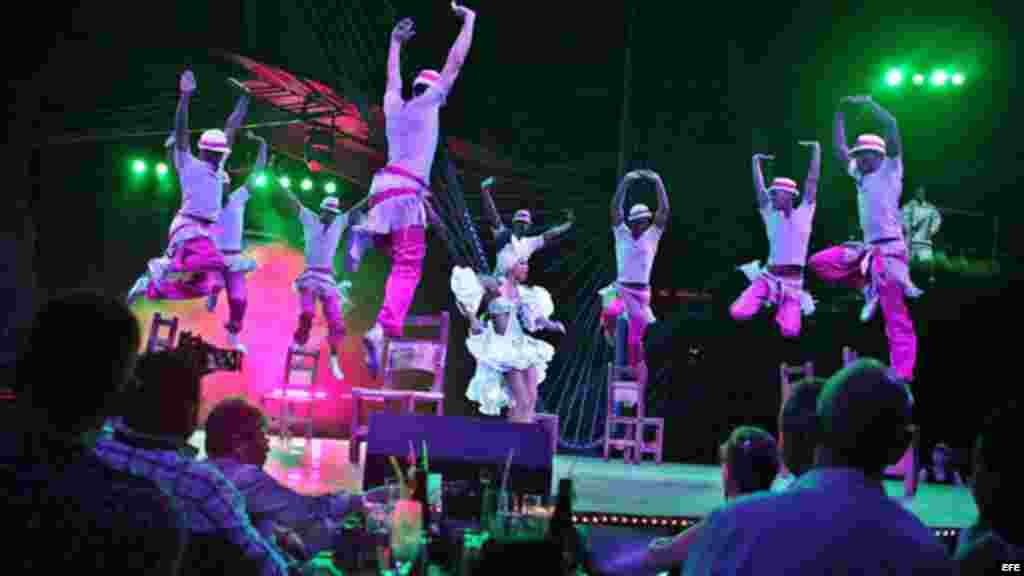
404, 30
188, 82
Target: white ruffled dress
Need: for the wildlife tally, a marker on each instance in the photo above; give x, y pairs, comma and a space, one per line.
496, 353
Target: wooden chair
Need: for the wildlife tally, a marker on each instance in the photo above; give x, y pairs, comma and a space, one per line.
623, 387
405, 354
296, 393
155, 342
787, 375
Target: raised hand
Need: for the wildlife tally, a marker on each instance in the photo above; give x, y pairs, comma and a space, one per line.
188, 82
570, 216
404, 30
763, 157
462, 11
810, 143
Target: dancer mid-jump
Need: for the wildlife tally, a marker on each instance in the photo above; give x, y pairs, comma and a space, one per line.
789, 231
636, 245
193, 264
397, 217
878, 266
230, 239
322, 234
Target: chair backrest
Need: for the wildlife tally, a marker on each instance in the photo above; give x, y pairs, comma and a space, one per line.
303, 362
156, 343
787, 373
420, 354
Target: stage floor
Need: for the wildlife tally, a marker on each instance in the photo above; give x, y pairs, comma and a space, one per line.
668, 489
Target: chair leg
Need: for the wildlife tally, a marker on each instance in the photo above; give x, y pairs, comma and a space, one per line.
353, 440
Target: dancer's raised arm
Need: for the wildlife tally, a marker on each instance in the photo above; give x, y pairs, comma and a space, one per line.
460, 49
620, 198
759, 188
187, 86
813, 172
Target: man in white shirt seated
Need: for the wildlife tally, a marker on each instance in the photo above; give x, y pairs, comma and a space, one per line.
997, 536
798, 431
837, 517
237, 444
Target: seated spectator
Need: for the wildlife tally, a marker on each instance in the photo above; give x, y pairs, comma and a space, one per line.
165, 414
79, 512
237, 444
750, 462
941, 470
837, 516
798, 426
997, 536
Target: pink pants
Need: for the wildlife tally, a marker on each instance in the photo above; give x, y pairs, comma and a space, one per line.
201, 263
408, 247
835, 265
636, 307
234, 281
750, 302
331, 308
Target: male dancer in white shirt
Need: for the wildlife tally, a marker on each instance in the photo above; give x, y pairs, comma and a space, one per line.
921, 221
397, 217
193, 264
636, 245
789, 232
322, 234
516, 237
878, 266
230, 233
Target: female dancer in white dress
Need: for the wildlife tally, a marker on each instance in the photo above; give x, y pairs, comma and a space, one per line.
510, 364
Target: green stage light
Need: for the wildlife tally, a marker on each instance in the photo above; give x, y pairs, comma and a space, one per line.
958, 79
285, 182
894, 77
260, 181
939, 78
307, 184
331, 187
139, 166
918, 79
161, 169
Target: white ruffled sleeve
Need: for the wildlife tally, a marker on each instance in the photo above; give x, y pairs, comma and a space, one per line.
538, 304
468, 290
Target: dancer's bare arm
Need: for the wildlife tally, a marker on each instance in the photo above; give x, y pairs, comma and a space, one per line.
235, 120
662, 215
187, 85
893, 146
759, 188
460, 49
813, 172
261, 156
296, 204
620, 198
554, 233
489, 208
842, 152
403, 31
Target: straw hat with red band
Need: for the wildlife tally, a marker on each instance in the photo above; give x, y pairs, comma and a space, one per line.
869, 142
330, 204
215, 141
428, 77
522, 216
639, 212
784, 185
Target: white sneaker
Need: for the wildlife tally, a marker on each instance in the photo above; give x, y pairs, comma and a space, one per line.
870, 305
336, 368
138, 289
158, 269
235, 343
373, 344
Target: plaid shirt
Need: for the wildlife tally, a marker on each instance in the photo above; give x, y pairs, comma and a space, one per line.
315, 518
210, 502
